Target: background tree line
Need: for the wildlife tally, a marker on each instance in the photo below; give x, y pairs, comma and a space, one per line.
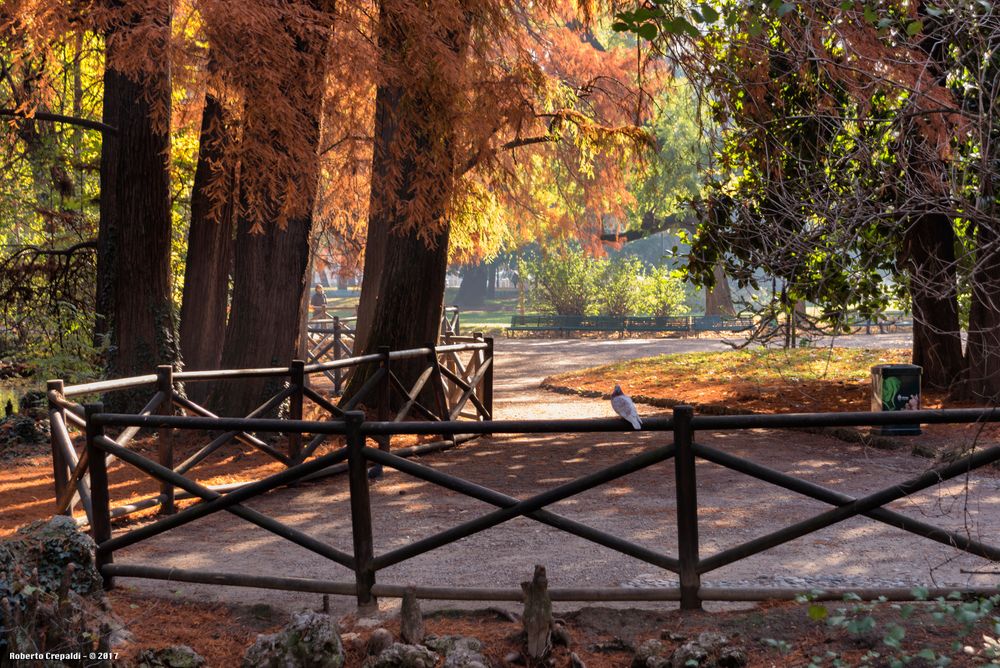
191, 154
854, 161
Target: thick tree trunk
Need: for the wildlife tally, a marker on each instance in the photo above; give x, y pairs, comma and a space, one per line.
475, 283
929, 249
983, 347
270, 267
387, 99
210, 251
134, 283
719, 298
405, 310
269, 279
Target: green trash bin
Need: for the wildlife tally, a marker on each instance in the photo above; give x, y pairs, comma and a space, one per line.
896, 387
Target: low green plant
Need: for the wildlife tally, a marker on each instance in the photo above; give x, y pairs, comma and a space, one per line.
859, 620
570, 282
564, 283
623, 287
664, 293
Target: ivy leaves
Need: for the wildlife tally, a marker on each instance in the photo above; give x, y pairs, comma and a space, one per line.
657, 19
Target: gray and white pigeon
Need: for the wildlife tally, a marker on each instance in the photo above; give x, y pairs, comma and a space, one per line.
623, 405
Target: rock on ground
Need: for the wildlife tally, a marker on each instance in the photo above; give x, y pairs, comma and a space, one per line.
311, 640
400, 655
50, 547
709, 650
459, 651
175, 656
652, 654
51, 596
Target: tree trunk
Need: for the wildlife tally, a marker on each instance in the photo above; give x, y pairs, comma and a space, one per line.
269, 279
492, 277
983, 348
134, 283
404, 311
210, 251
270, 270
929, 250
719, 298
472, 291
387, 99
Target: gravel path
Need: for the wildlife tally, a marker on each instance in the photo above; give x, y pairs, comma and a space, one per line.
639, 507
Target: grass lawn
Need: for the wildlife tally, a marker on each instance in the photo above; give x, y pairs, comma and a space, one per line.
759, 380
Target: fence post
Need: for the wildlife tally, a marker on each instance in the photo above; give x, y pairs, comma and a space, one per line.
437, 378
386, 389
457, 322
60, 474
164, 440
336, 355
488, 378
297, 378
687, 508
384, 405
361, 511
100, 523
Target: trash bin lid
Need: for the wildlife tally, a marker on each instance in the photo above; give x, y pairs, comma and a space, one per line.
898, 368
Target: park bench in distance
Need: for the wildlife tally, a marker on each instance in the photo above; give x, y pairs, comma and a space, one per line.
562, 324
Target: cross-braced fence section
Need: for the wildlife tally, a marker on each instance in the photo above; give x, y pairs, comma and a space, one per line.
332, 338
681, 449
438, 394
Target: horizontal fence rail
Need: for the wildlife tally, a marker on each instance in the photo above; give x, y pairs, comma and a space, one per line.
680, 449
330, 339
457, 377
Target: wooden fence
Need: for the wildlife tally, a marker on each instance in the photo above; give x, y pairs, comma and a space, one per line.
330, 339
680, 447
458, 376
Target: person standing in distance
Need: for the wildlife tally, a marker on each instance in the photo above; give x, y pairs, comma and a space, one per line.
318, 302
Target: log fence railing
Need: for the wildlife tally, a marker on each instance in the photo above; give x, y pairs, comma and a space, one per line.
330, 339
680, 447
460, 389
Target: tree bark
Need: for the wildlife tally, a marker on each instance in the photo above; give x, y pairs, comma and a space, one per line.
475, 284
404, 311
269, 279
387, 99
983, 347
929, 250
719, 298
270, 266
492, 278
210, 250
134, 281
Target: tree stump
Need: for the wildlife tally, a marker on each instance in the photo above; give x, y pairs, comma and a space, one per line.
411, 621
537, 617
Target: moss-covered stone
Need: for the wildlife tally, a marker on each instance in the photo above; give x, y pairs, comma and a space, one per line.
175, 656
311, 640
50, 546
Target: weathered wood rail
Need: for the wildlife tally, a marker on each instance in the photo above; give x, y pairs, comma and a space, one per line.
458, 377
330, 339
681, 448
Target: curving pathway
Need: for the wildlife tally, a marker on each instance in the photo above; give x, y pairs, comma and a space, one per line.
639, 507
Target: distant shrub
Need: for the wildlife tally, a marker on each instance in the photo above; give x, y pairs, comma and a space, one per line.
574, 283
563, 283
623, 287
664, 293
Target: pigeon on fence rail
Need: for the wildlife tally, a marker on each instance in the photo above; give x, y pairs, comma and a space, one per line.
623, 405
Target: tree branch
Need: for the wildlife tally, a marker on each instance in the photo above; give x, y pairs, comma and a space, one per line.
59, 118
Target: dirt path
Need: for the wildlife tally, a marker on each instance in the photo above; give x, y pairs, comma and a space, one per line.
639, 507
